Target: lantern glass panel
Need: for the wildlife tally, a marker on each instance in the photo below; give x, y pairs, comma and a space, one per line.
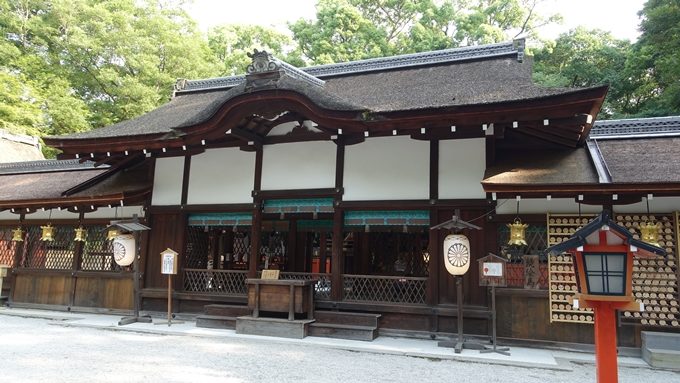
605, 273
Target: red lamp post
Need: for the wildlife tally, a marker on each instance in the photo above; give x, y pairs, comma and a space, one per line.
603, 255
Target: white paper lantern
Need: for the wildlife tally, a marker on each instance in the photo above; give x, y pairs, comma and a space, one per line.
124, 251
456, 254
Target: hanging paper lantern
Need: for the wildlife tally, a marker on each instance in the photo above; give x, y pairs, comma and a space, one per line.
124, 249
17, 235
81, 234
517, 229
456, 254
650, 233
47, 233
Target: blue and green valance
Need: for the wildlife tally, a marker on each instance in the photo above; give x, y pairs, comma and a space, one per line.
387, 218
306, 205
220, 219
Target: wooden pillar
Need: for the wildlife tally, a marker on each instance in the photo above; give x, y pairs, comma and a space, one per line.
77, 258
255, 240
292, 247
322, 252
256, 228
337, 255
434, 248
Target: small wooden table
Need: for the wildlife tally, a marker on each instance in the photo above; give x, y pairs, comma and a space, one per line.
294, 296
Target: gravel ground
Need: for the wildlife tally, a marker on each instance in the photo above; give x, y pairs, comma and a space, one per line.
39, 350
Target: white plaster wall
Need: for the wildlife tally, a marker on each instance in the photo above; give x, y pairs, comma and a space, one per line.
167, 181
461, 168
6, 215
543, 205
300, 165
387, 168
112, 213
221, 176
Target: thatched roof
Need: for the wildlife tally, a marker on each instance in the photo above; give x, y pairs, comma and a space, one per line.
16, 148
456, 77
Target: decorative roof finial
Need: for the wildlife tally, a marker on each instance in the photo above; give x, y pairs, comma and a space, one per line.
262, 62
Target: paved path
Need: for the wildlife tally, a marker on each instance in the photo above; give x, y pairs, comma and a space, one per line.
44, 346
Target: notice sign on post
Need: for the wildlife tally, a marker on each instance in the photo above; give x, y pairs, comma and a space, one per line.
169, 261
492, 269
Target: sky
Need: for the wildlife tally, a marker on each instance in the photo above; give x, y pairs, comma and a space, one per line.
617, 16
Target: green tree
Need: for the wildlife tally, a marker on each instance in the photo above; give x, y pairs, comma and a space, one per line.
356, 29
582, 58
89, 63
656, 60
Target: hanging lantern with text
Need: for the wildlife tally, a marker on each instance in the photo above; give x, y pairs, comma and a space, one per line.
47, 233
17, 235
456, 254
517, 229
124, 249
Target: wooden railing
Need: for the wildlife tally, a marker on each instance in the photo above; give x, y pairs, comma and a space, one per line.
357, 288
384, 289
231, 282
322, 289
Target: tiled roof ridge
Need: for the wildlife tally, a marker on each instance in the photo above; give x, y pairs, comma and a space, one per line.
515, 47
20, 138
41, 166
636, 128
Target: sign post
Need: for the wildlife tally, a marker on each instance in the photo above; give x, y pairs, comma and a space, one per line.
169, 267
492, 273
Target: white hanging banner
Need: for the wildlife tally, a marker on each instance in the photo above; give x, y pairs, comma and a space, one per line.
456, 254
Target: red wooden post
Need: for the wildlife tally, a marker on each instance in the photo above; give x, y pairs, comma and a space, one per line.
605, 342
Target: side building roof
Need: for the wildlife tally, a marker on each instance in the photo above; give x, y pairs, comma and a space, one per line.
621, 154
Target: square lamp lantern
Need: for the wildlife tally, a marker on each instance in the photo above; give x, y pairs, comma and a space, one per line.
603, 254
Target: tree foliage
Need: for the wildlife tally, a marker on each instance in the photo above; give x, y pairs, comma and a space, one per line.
657, 59
89, 63
71, 65
357, 29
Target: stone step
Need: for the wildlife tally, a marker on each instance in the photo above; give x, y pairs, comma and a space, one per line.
661, 358
347, 318
343, 331
226, 310
216, 321
660, 340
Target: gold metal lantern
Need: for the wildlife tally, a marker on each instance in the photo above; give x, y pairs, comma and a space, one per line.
81, 234
47, 233
650, 233
112, 234
517, 229
17, 235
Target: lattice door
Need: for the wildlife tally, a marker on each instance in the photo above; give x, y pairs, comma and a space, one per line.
7, 247
57, 254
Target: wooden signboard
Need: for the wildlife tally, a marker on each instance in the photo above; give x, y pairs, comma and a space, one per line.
169, 262
492, 271
270, 274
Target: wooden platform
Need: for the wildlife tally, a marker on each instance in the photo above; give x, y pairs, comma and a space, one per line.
345, 325
221, 316
278, 327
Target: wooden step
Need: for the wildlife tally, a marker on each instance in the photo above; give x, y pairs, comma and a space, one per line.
347, 318
216, 321
226, 310
343, 331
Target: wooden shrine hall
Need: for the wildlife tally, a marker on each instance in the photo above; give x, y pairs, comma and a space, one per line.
335, 174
